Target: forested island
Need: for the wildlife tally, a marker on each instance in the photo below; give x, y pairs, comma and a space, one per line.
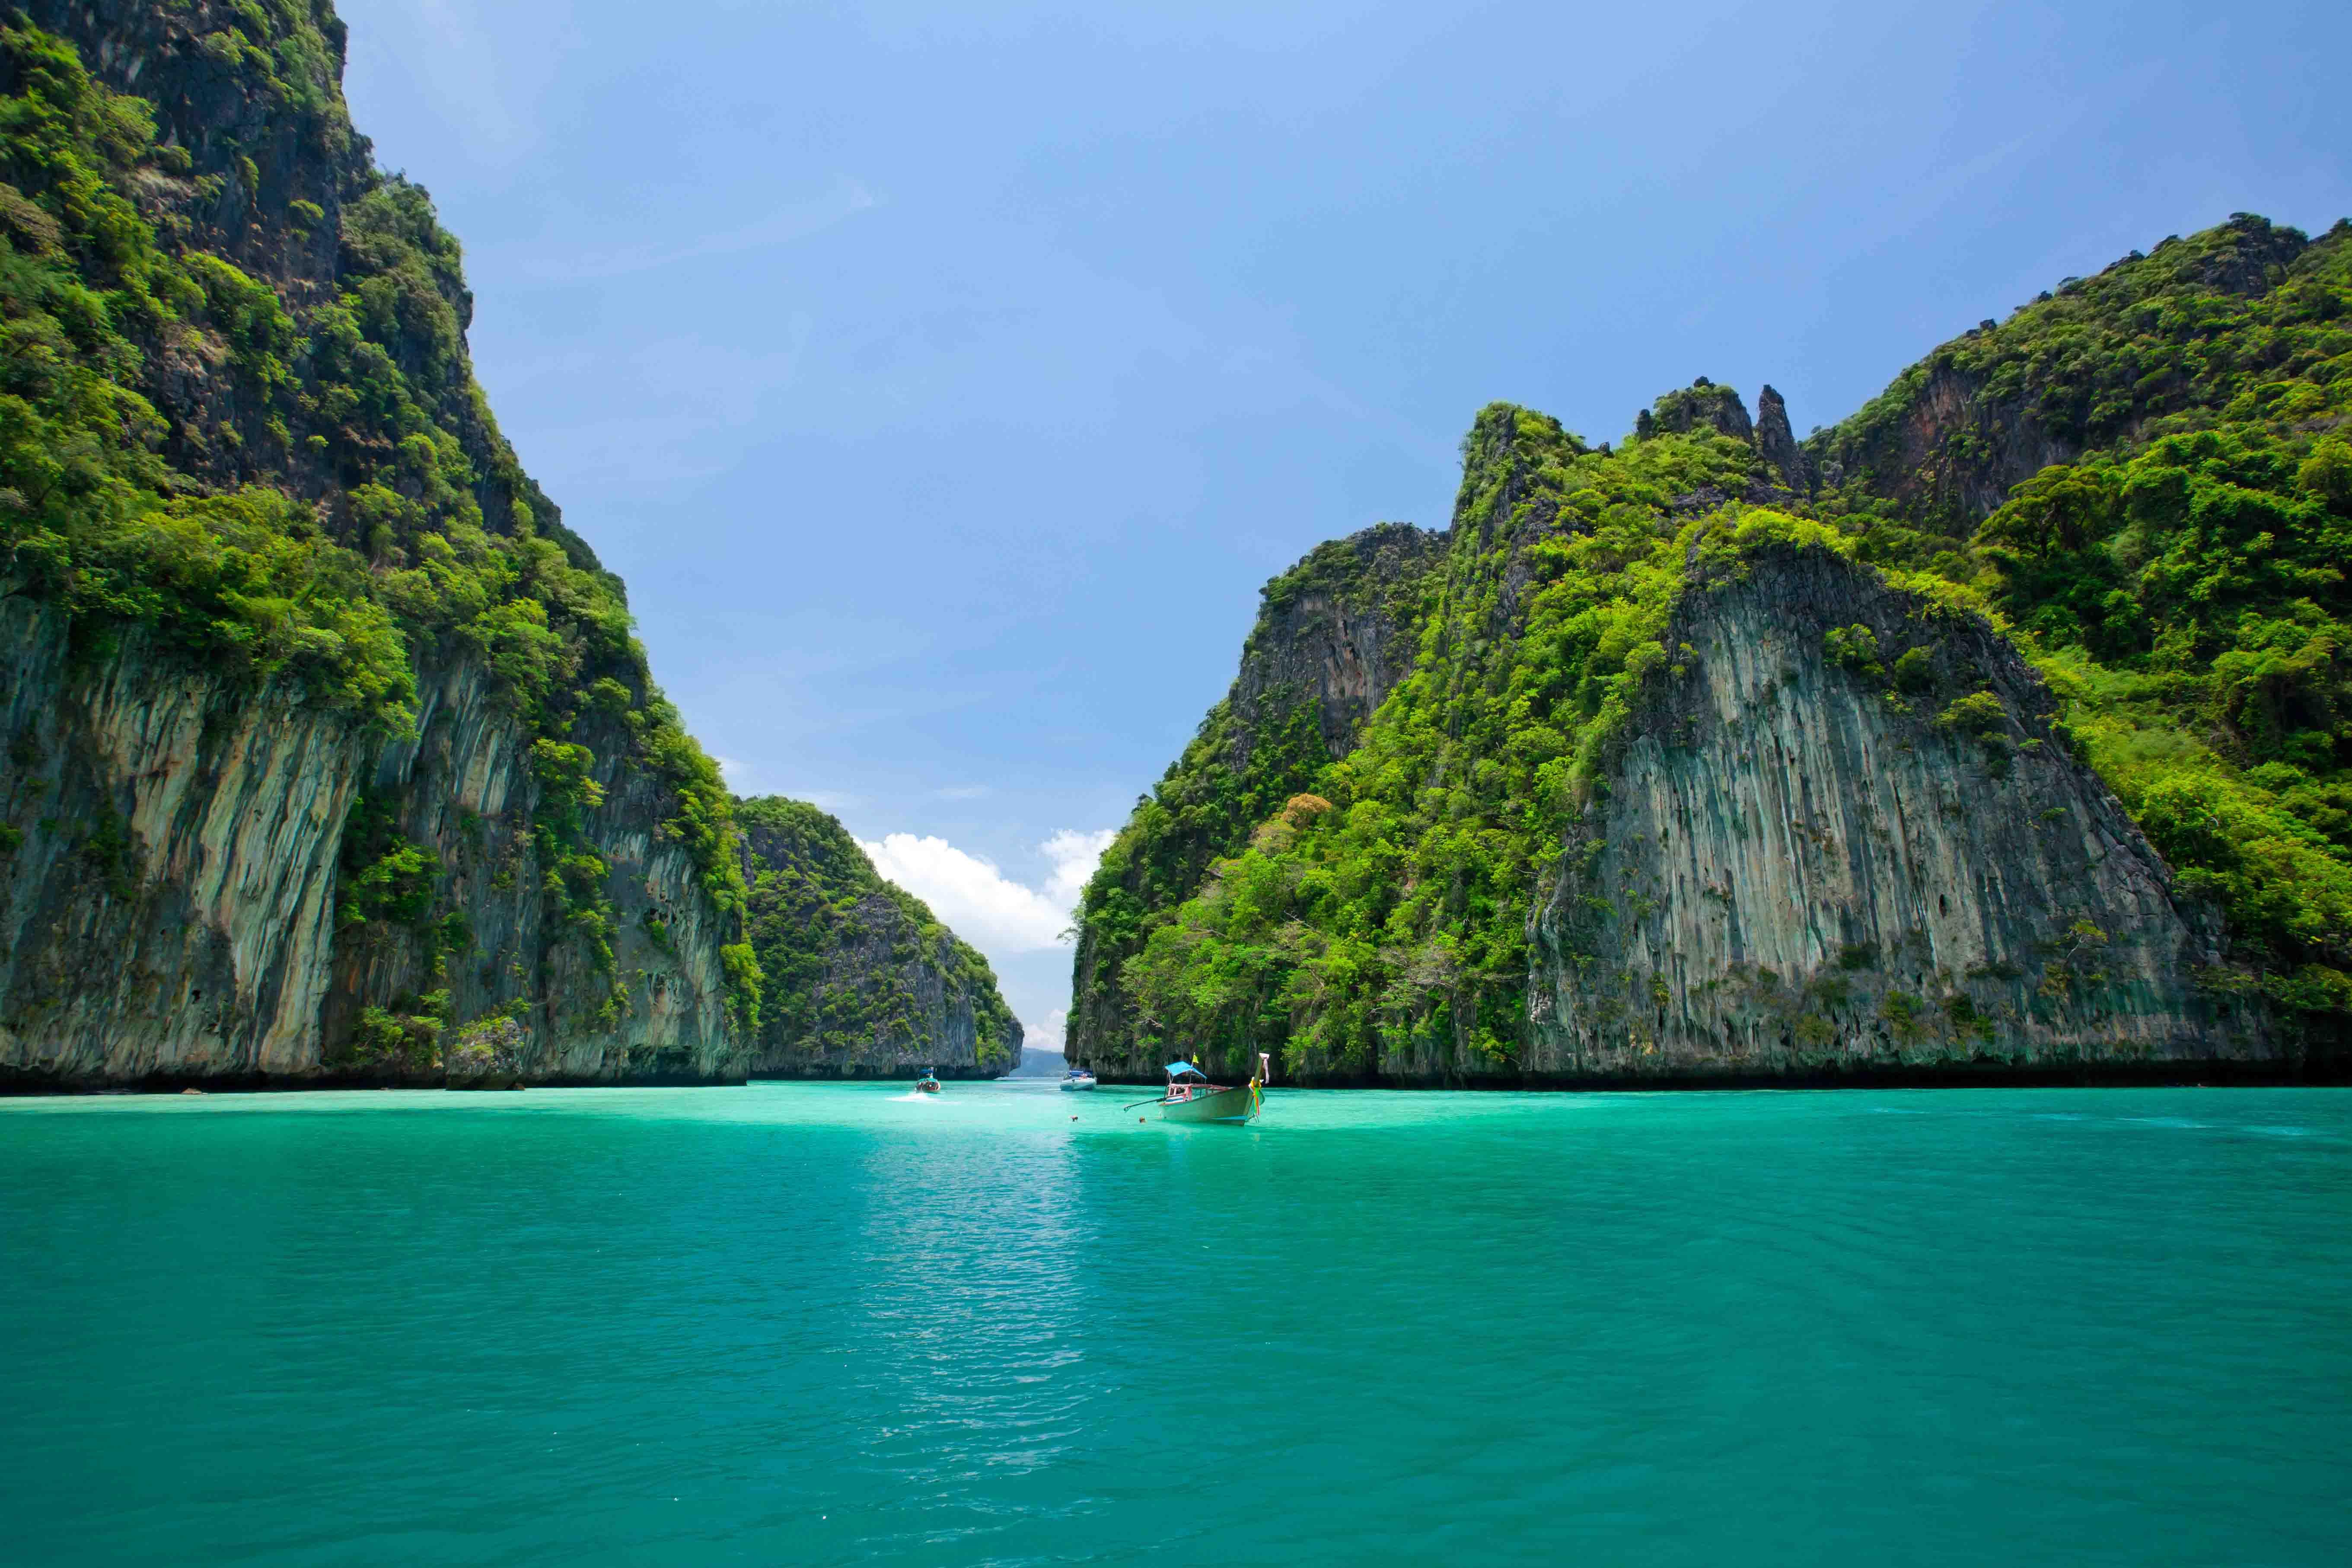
331, 757
1998, 733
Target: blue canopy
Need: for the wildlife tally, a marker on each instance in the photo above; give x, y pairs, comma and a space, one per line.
1172, 1069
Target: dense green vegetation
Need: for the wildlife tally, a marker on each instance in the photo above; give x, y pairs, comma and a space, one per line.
90, 513
820, 914
2183, 585
345, 508
2180, 583
1257, 749
1382, 914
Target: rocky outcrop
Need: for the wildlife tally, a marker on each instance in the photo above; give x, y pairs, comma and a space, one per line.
862, 981
171, 903
1938, 445
265, 169
255, 148
1680, 791
1844, 842
239, 848
1785, 472
1777, 444
1702, 406
1334, 635
1336, 630
2075, 370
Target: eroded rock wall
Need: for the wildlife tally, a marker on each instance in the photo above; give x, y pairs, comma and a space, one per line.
1339, 630
1795, 871
170, 898
1334, 635
863, 980
464, 791
885, 970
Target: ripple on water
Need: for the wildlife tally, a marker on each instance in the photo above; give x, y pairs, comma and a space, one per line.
843, 1324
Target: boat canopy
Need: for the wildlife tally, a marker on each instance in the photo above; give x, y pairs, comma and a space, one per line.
1175, 1067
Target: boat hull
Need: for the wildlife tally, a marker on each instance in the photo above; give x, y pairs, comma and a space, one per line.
1077, 1087
1229, 1105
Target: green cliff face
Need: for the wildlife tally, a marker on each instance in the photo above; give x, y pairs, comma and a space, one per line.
355, 726
1334, 635
320, 722
1702, 765
862, 982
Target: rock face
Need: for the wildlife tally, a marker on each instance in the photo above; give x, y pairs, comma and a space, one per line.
170, 906
1794, 871
1942, 447
862, 981
1777, 444
464, 791
171, 909
1955, 432
1337, 628
212, 868
1334, 636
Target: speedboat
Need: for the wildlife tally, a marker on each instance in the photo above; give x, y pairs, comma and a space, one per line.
1190, 1095
928, 1083
1077, 1077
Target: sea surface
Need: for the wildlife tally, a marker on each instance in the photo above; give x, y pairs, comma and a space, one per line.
815, 1324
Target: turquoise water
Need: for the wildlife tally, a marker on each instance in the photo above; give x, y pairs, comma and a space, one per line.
832, 1324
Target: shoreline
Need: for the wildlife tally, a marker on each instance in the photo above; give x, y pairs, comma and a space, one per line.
16, 1084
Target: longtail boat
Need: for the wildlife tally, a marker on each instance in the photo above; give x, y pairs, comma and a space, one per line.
1190, 1095
928, 1083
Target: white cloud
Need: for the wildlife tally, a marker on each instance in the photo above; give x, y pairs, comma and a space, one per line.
1048, 1036
1075, 855
984, 906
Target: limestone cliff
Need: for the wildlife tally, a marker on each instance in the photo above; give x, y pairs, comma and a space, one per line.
1956, 432
193, 833
1334, 636
862, 981
170, 902
1794, 871
2002, 731
330, 756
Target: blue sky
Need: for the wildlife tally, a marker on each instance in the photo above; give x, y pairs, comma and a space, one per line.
945, 381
